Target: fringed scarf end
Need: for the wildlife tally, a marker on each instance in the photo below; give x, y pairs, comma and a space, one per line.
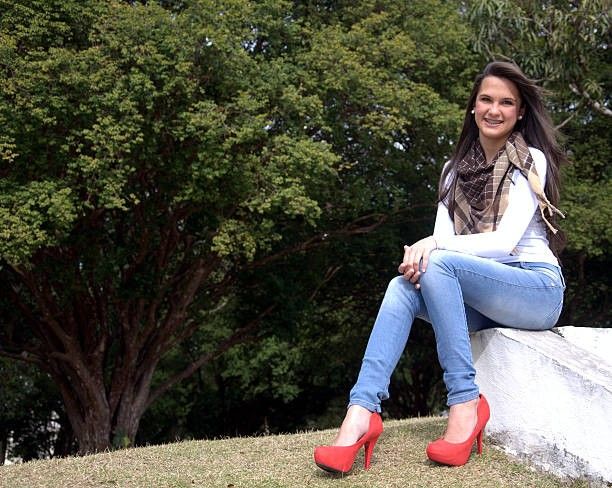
552, 210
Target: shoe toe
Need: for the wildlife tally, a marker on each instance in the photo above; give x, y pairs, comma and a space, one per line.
333, 459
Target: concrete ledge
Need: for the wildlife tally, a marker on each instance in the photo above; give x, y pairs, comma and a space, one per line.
551, 396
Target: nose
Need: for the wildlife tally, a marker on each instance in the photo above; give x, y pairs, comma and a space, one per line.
494, 108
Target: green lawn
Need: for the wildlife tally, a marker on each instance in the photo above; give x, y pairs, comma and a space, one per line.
279, 461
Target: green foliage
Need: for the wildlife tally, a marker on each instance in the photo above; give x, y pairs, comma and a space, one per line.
268, 375
589, 216
587, 188
561, 43
35, 215
151, 107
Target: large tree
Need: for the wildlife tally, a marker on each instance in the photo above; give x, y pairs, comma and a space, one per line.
150, 157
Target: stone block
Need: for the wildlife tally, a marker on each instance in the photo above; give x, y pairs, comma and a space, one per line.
551, 396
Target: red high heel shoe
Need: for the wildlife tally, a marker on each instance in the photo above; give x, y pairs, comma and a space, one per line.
457, 454
340, 459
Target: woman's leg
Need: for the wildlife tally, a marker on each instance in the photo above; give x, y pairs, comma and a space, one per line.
401, 304
508, 295
456, 286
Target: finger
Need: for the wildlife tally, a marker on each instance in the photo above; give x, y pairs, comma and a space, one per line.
415, 260
426, 255
402, 267
408, 273
415, 277
425, 259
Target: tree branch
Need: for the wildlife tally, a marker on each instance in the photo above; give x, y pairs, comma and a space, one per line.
353, 228
562, 124
26, 355
593, 103
331, 272
237, 337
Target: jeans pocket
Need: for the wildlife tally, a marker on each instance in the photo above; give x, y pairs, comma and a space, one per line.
549, 273
554, 277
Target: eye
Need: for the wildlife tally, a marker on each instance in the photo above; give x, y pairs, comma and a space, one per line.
508, 102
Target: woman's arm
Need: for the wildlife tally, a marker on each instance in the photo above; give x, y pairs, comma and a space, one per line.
444, 226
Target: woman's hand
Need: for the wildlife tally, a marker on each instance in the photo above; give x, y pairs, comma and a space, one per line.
415, 255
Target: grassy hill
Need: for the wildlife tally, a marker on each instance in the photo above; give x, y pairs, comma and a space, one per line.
283, 461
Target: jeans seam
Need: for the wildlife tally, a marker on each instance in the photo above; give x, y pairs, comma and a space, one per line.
467, 335
465, 397
554, 311
372, 407
538, 287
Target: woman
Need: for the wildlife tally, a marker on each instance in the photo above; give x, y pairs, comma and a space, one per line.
489, 263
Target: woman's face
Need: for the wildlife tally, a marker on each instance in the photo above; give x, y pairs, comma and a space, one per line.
496, 110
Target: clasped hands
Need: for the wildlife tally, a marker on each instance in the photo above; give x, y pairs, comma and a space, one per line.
416, 258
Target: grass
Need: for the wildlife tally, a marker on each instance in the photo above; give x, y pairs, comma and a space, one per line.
283, 461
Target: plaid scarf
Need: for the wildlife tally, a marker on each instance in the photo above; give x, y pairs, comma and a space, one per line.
482, 189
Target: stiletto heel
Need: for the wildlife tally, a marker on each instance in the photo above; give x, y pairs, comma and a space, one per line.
457, 454
340, 459
369, 449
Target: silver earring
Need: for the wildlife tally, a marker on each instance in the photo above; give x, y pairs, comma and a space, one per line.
520, 117
472, 111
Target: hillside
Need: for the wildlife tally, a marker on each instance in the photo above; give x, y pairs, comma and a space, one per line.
283, 461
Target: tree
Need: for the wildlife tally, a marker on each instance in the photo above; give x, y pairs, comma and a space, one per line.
151, 157
564, 44
327, 298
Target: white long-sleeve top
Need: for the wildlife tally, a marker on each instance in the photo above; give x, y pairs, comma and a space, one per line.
521, 233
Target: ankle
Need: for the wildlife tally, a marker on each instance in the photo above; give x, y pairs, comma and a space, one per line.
354, 426
462, 419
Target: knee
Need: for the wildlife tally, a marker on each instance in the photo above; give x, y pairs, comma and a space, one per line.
440, 261
400, 289
440, 257
397, 285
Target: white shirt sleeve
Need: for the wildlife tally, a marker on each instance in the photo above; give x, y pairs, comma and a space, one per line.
522, 203
444, 226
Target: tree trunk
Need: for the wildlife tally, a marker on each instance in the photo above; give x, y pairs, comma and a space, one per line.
98, 423
132, 407
97, 429
90, 422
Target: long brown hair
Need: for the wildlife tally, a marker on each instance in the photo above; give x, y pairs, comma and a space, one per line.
536, 127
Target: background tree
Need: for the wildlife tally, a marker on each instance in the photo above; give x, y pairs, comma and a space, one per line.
155, 163
33, 424
328, 298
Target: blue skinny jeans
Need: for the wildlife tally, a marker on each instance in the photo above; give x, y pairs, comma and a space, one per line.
459, 293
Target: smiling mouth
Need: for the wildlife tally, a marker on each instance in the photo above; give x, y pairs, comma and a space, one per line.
493, 122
